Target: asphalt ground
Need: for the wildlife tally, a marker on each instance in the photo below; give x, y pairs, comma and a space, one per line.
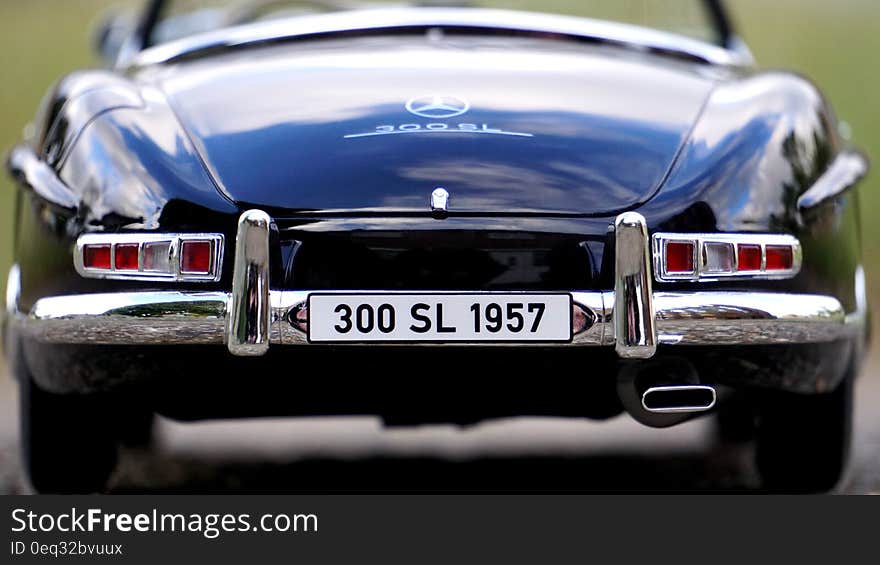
532, 455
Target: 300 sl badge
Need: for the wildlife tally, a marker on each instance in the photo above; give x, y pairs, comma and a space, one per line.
437, 107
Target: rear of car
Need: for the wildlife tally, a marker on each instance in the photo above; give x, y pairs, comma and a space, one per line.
438, 222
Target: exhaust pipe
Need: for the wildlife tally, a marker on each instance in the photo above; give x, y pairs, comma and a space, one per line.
676, 399
662, 392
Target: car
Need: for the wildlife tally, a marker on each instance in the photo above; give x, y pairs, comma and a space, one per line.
433, 215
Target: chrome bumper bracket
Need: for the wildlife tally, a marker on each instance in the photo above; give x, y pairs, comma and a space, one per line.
249, 309
635, 332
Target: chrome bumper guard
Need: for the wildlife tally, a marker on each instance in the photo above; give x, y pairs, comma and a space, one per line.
632, 317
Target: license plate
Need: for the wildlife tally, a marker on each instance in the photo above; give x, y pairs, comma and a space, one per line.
440, 317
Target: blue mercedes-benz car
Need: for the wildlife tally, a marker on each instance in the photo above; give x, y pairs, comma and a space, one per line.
433, 215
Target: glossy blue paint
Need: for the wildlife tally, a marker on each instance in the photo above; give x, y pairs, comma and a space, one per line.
551, 128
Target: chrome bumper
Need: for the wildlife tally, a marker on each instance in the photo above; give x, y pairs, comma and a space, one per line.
632, 317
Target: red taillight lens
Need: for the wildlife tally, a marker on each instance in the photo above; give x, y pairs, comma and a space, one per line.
96, 256
126, 255
748, 257
707, 257
195, 257
680, 257
779, 258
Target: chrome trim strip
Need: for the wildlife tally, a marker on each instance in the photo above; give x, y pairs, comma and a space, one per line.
860, 316
398, 19
660, 240
112, 239
13, 290
132, 318
732, 318
687, 318
634, 330
847, 169
858, 319
10, 312
249, 306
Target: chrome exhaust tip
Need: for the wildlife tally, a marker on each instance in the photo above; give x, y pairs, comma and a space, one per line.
678, 399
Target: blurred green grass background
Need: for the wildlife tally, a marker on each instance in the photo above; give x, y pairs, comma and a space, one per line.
837, 44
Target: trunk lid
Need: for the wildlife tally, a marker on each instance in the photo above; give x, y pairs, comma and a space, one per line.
512, 125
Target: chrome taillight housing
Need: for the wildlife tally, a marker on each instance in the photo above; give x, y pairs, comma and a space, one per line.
196, 257
708, 257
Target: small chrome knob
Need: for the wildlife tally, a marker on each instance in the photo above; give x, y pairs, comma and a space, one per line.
439, 200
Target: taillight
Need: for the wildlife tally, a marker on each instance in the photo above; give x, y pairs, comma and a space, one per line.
96, 256
779, 258
169, 257
680, 257
749, 257
195, 257
126, 256
706, 257
156, 257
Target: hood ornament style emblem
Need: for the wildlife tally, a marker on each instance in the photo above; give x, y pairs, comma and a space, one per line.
440, 200
437, 107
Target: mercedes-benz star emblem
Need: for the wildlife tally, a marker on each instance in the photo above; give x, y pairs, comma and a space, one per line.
437, 106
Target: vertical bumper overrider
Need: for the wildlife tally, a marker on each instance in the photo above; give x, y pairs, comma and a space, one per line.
249, 310
635, 331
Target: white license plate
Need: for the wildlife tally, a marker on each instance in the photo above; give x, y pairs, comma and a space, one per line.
440, 317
